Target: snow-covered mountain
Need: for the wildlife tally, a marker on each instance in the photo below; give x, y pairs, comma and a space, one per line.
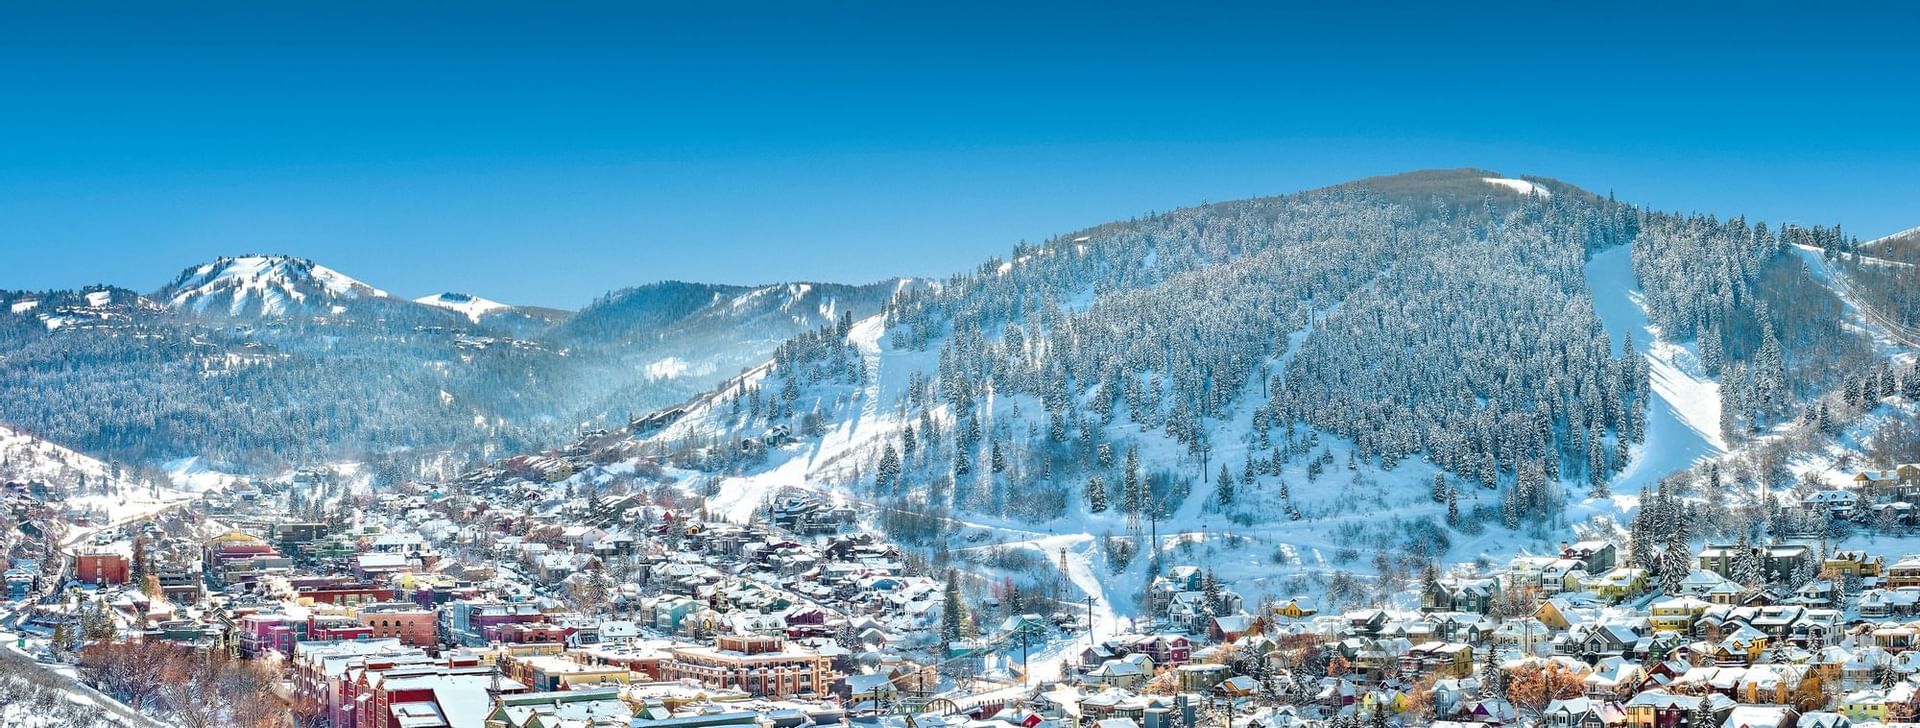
271, 360
264, 285
676, 330
1449, 363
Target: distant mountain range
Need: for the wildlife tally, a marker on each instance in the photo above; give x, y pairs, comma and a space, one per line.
267, 360
1448, 317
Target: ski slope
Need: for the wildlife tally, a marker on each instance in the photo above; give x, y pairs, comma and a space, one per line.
1890, 338
1683, 420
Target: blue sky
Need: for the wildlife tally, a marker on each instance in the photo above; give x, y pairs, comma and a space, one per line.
545, 156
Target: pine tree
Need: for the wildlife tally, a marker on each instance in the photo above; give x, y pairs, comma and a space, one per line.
1745, 569
1429, 578
1096, 494
1676, 560
999, 461
1702, 718
1597, 469
1439, 487
1453, 508
1510, 508
1223, 487
1640, 535
138, 571
886, 476
1493, 677
1133, 498
953, 614
1210, 591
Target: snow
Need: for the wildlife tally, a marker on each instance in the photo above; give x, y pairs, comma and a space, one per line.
192, 475
667, 368
92, 485
31, 458
99, 298
1519, 185
26, 305
1895, 236
277, 283
1889, 337
1683, 420
1350, 514
473, 307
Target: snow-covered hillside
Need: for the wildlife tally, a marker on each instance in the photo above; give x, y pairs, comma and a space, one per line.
24, 457
106, 491
1347, 360
1519, 185
1214, 346
1347, 516
1683, 421
471, 306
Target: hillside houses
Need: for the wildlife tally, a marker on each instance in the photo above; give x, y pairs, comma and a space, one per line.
1900, 482
515, 602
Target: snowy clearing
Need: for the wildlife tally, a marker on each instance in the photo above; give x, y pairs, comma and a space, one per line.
1683, 420
1519, 185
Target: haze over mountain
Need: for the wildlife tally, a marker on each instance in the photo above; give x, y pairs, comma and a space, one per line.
260, 361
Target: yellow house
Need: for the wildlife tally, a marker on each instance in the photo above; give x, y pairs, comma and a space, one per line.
1743, 647
1619, 584
1854, 563
1549, 613
1677, 614
1866, 705
1456, 659
1295, 608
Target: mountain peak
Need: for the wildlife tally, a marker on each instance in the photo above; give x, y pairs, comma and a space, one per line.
266, 285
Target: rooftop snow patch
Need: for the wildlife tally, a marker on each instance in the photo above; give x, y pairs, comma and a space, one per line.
1519, 185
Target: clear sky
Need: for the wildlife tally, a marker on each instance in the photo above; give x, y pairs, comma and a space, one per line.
544, 153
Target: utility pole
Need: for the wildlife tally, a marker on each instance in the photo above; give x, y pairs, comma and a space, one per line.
1023, 654
1090, 639
1153, 544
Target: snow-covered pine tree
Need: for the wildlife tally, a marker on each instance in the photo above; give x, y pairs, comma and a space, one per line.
1096, 494
953, 613
1745, 569
886, 475
1223, 487
1676, 559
